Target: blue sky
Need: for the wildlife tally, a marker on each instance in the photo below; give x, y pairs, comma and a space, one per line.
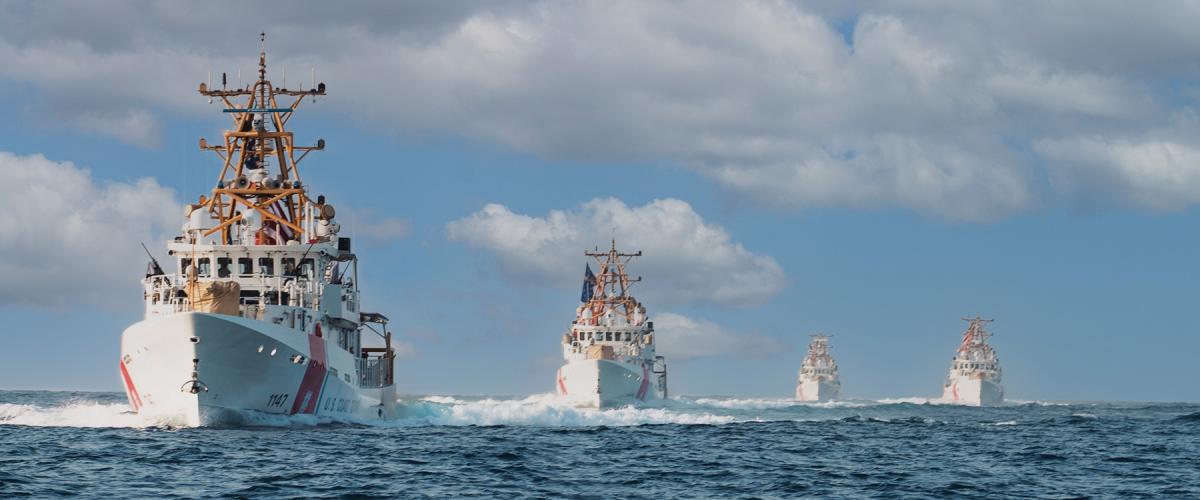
866, 172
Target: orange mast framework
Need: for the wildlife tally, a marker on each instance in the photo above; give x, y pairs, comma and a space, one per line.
612, 283
975, 336
251, 144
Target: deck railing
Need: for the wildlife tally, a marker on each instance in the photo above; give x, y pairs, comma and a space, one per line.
375, 371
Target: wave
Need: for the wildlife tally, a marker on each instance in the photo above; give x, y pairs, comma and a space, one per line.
545, 410
763, 403
76, 414
538, 410
1031, 402
917, 400
886, 420
1191, 417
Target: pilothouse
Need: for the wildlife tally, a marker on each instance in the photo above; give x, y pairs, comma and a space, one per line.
262, 313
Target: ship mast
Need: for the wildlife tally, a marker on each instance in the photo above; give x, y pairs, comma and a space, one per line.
612, 283
819, 346
258, 137
975, 335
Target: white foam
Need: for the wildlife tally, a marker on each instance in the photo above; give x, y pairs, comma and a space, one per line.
1035, 402
91, 414
78, 414
914, 401
540, 410
764, 403
741, 403
537, 410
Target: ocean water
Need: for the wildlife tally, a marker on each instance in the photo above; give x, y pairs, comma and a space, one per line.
63, 443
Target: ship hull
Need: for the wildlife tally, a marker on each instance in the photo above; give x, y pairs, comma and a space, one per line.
596, 383
973, 392
818, 390
200, 369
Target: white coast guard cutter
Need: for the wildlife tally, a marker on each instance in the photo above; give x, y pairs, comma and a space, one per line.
974, 377
609, 349
262, 313
818, 378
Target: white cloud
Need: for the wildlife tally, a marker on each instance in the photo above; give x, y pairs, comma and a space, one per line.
1154, 174
682, 338
367, 224
927, 176
686, 260
68, 239
931, 106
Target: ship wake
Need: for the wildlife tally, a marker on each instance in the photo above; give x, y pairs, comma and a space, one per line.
544, 410
540, 410
74, 414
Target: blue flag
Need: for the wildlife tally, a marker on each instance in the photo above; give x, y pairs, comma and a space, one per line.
589, 285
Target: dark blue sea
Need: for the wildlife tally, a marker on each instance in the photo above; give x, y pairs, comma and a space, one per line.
87, 444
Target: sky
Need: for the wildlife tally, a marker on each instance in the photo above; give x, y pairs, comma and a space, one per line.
875, 171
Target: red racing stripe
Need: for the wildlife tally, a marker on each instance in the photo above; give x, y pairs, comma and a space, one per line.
310, 386
135, 401
641, 394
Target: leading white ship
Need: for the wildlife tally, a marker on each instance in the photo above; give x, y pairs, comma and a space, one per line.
818, 379
262, 314
974, 377
609, 349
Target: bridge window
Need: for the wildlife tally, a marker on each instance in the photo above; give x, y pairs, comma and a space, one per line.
608, 336
245, 266
266, 266
250, 296
204, 267
628, 336
223, 264
288, 264
306, 268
